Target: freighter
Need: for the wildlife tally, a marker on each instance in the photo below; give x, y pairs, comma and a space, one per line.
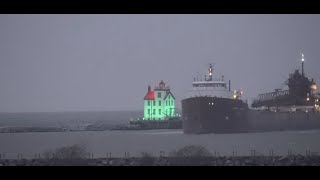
211, 107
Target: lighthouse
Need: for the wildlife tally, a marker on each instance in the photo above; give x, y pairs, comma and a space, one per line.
159, 103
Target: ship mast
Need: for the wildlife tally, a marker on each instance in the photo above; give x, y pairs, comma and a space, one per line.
210, 73
302, 60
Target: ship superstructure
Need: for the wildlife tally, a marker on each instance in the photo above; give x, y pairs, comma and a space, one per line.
302, 94
208, 86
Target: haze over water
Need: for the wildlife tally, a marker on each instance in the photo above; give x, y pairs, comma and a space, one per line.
106, 62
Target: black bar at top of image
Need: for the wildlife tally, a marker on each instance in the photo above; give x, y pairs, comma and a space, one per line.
159, 6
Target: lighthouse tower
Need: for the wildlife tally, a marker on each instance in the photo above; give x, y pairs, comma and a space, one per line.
159, 104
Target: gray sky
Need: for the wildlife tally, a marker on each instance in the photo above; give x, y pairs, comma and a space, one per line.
106, 62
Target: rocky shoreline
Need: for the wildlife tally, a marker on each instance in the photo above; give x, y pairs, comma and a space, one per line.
91, 127
291, 160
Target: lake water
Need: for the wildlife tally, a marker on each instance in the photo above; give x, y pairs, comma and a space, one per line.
154, 141
118, 142
59, 119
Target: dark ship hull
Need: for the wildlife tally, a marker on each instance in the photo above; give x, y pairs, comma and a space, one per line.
214, 115
266, 121
234, 116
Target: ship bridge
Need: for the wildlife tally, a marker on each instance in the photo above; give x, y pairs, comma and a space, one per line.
208, 86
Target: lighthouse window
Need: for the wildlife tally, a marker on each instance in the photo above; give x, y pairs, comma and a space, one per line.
148, 111
148, 103
171, 102
154, 102
154, 112
159, 94
159, 103
159, 111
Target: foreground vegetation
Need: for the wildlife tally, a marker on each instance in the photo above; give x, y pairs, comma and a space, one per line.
77, 155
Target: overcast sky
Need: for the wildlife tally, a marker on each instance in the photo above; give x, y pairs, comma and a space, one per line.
106, 62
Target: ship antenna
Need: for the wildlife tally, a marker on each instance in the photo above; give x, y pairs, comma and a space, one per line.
302, 60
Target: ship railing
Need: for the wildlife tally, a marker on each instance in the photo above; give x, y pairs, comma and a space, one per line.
211, 92
271, 95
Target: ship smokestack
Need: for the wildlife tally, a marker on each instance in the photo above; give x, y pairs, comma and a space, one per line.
229, 85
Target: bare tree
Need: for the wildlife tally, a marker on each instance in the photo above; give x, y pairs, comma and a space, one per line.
191, 151
76, 151
147, 159
47, 154
190, 155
